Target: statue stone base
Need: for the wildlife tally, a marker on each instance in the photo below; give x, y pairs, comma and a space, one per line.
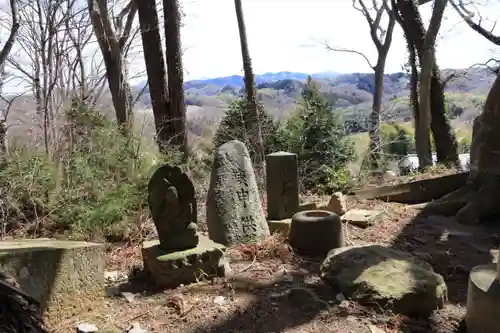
169, 269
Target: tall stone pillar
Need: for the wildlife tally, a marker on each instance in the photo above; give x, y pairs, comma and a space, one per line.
282, 174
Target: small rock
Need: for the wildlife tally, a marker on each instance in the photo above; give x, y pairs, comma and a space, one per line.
375, 329
86, 328
136, 328
344, 304
340, 297
337, 204
128, 296
224, 267
362, 218
219, 300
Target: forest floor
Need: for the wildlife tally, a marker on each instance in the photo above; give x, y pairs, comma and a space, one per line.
273, 290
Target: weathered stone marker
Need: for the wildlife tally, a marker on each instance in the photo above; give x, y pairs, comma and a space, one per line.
282, 176
180, 255
483, 299
65, 277
234, 208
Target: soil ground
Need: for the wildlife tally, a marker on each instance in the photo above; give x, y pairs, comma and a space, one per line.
273, 290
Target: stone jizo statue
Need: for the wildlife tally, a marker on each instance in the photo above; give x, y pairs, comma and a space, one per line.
172, 203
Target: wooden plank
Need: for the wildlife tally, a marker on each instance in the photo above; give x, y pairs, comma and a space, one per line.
415, 192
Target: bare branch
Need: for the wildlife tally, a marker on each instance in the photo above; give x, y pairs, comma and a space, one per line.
467, 17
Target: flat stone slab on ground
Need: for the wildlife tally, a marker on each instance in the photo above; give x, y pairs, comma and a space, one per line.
66, 277
282, 226
171, 269
362, 218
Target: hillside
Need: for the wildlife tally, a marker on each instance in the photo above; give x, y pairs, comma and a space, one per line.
351, 94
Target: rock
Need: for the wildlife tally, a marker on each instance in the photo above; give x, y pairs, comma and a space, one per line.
234, 209
66, 277
282, 174
136, 328
373, 274
307, 206
362, 218
169, 269
225, 269
281, 226
86, 328
130, 297
375, 329
337, 204
219, 300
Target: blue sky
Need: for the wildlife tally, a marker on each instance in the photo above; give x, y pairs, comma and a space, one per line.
286, 35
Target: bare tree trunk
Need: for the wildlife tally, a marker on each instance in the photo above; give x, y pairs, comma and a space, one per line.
112, 47
375, 115
478, 199
252, 121
172, 16
155, 68
444, 140
4, 53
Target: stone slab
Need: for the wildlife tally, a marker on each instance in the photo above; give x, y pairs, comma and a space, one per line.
281, 226
171, 269
307, 206
66, 277
414, 192
362, 218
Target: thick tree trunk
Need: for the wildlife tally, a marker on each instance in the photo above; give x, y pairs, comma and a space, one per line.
252, 121
444, 140
155, 68
172, 17
478, 199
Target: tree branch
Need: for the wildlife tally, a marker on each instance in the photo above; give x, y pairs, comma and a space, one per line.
467, 17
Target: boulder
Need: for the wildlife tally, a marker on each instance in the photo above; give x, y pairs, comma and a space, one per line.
234, 209
373, 274
337, 204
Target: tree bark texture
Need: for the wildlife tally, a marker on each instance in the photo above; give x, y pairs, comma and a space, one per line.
177, 117
444, 140
155, 68
112, 51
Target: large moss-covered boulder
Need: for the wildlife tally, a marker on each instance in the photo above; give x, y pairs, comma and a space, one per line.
392, 279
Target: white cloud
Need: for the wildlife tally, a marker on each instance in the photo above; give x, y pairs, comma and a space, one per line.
285, 35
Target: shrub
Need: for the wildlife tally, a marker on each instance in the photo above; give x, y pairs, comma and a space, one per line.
232, 126
319, 139
95, 184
